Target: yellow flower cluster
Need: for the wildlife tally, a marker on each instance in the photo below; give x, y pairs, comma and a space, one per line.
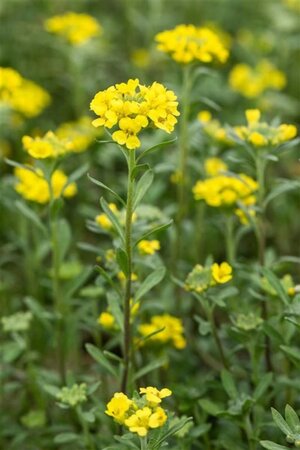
33, 186
261, 134
131, 107
188, 43
80, 134
214, 166
202, 278
148, 247
252, 82
213, 128
226, 190
48, 146
75, 28
141, 414
20, 94
171, 330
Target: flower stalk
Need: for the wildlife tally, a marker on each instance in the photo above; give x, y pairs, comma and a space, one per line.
128, 250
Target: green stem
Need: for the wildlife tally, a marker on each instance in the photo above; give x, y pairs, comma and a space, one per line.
230, 241
128, 250
249, 432
183, 159
210, 316
85, 428
261, 238
143, 441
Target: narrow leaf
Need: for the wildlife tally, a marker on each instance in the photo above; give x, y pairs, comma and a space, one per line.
228, 384
152, 280
154, 230
149, 368
99, 183
155, 147
142, 187
113, 218
98, 356
31, 216
280, 422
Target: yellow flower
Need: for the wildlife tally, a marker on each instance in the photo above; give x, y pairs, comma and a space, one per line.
153, 395
221, 273
171, 330
118, 407
44, 147
226, 190
33, 186
122, 276
252, 82
158, 418
102, 219
131, 107
187, 43
75, 28
148, 247
146, 418
106, 320
204, 116
20, 94
213, 166
79, 134
261, 134
139, 421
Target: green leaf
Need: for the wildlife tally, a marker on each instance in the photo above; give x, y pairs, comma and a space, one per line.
12, 163
113, 218
31, 216
155, 147
64, 438
50, 389
283, 187
172, 430
210, 407
292, 352
142, 187
149, 368
78, 173
292, 418
77, 282
280, 422
115, 309
272, 446
262, 386
228, 384
64, 235
109, 280
154, 230
99, 183
122, 260
275, 283
152, 280
98, 356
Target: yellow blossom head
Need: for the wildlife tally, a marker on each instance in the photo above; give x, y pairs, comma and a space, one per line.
155, 396
106, 320
188, 43
32, 185
118, 406
214, 166
253, 81
22, 95
148, 247
48, 146
75, 28
130, 107
169, 330
222, 273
